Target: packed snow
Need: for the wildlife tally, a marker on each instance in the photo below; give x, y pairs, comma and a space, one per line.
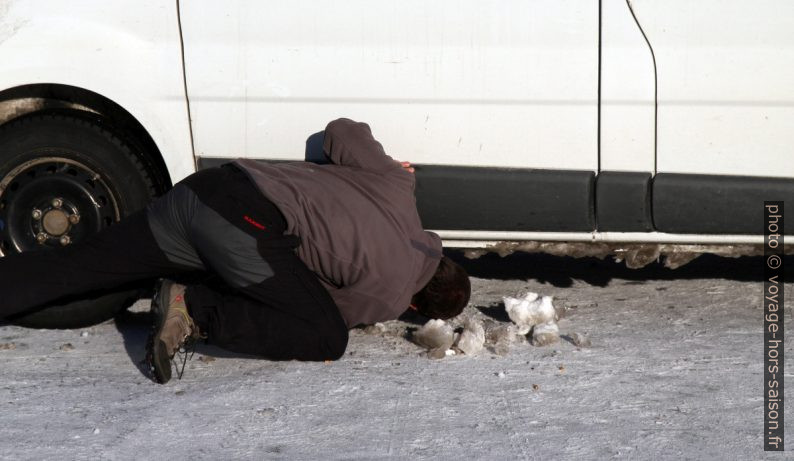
648, 366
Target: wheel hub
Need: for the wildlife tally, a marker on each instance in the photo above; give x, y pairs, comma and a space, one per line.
56, 222
52, 202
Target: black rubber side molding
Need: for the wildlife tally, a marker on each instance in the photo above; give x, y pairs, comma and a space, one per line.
714, 204
477, 198
211, 162
623, 202
516, 199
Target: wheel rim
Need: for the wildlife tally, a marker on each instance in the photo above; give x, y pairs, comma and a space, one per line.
53, 202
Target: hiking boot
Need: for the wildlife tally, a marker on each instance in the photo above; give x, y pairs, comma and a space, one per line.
174, 330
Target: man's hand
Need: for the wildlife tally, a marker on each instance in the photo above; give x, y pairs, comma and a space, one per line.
407, 167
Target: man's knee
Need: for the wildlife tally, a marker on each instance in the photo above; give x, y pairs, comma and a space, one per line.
336, 344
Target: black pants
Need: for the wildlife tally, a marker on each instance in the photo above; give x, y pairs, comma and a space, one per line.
255, 297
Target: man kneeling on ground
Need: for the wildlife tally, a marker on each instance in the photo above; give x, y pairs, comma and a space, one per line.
289, 256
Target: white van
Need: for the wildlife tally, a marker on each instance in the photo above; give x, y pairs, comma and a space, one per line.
635, 127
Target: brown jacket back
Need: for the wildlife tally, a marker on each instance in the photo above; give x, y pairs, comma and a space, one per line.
357, 222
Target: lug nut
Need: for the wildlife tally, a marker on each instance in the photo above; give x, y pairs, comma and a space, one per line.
74, 219
41, 237
65, 240
57, 203
36, 214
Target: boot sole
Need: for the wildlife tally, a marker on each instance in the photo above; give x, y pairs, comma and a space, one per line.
156, 356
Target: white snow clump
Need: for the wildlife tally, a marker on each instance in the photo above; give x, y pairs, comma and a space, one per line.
435, 335
535, 314
529, 311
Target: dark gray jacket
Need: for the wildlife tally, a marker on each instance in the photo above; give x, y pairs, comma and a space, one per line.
357, 222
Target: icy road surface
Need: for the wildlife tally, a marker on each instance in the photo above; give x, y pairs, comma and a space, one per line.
674, 372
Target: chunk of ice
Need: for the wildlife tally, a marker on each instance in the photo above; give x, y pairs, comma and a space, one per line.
472, 338
529, 311
580, 340
435, 334
500, 338
545, 334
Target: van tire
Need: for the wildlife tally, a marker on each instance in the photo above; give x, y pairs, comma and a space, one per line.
67, 149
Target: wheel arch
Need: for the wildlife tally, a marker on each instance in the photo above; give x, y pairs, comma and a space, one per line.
48, 97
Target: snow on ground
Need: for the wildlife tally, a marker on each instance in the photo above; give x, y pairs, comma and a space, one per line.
674, 372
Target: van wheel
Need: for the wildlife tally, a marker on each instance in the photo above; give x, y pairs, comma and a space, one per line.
64, 177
